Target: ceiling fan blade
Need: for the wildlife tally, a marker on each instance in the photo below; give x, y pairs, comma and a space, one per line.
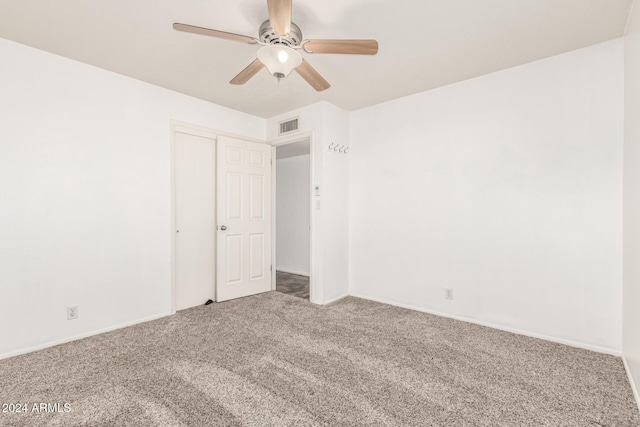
247, 73
312, 76
280, 16
358, 47
214, 33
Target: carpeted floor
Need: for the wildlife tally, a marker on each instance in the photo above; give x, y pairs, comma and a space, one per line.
274, 359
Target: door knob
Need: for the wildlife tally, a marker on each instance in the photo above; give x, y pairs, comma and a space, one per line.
223, 227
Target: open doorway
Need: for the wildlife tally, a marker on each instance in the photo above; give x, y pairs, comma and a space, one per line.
293, 218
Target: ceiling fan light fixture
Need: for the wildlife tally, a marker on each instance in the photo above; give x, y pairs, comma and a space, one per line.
282, 40
280, 60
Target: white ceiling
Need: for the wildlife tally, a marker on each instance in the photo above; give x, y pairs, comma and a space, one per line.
423, 43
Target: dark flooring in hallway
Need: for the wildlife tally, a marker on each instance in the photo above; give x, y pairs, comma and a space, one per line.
292, 284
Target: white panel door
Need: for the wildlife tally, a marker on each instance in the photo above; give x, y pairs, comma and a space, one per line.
195, 219
244, 218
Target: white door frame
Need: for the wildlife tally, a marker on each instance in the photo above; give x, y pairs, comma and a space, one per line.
291, 139
191, 129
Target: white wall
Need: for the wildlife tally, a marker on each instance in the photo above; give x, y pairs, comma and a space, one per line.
335, 204
293, 200
85, 195
631, 271
329, 228
506, 188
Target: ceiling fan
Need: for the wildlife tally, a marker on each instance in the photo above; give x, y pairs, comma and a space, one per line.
281, 41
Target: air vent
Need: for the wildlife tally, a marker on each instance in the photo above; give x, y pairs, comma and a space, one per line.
289, 126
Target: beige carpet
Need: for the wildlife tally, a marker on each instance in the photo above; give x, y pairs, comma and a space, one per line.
275, 359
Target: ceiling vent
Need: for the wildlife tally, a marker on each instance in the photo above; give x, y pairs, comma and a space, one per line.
288, 126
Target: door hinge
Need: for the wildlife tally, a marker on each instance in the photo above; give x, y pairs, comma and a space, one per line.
271, 267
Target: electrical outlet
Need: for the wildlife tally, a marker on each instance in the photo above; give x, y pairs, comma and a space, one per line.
72, 312
448, 293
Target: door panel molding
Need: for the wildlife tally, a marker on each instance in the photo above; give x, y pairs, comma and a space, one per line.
244, 211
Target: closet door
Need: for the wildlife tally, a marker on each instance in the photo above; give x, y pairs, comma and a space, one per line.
195, 220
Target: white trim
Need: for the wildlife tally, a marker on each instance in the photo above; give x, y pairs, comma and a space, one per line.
172, 211
634, 389
206, 132
315, 290
274, 188
80, 336
570, 343
334, 299
292, 271
289, 139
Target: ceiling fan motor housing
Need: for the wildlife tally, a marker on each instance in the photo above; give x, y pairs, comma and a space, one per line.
269, 36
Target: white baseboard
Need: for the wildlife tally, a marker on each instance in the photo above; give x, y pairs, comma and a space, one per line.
293, 271
631, 381
570, 343
79, 336
334, 299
